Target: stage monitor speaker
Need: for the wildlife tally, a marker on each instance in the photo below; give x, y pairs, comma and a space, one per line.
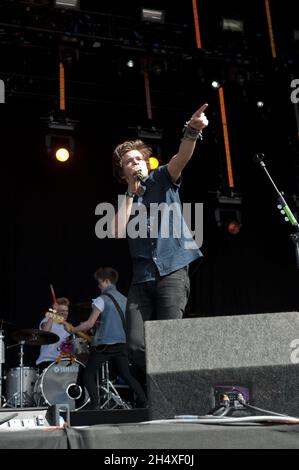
188, 360
29, 418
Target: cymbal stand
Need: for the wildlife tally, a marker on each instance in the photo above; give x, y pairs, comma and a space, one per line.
111, 397
2, 361
20, 393
21, 371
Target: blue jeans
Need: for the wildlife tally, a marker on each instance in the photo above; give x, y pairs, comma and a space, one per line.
162, 299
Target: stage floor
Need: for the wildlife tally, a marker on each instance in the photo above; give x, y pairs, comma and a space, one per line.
154, 436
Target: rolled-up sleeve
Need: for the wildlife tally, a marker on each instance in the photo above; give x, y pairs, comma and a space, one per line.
98, 303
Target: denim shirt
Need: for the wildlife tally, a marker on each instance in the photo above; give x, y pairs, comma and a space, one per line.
161, 253
110, 329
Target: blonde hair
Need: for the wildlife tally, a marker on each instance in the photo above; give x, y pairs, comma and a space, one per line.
63, 301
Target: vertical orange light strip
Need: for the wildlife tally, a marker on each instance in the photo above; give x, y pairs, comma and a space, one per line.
147, 91
270, 27
226, 139
196, 24
61, 87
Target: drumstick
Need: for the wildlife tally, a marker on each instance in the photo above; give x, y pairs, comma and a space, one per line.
53, 294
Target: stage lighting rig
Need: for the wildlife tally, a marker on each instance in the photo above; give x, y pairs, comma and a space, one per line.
60, 142
153, 137
215, 84
233, 25
228, 213
67, 4
150, 134
152, 16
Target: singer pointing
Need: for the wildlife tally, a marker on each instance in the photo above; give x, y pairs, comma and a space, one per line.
160, 284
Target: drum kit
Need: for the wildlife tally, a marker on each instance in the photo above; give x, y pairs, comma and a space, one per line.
20, 380
60, 383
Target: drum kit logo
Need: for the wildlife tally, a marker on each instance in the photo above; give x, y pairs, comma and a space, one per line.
62, 369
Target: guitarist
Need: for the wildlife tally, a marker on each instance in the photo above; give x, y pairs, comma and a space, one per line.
109, 341
49, 352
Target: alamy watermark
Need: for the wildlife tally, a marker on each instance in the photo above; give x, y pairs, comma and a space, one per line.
294, 346
2, 91
162, 220
295, 93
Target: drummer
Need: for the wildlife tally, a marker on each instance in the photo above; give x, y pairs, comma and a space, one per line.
49, 352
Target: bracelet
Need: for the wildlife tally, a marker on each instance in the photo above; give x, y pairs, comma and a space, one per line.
130, 194
191, 133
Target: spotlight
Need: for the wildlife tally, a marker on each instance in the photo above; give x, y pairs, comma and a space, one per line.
62, 154
230, 24
233, 227
59, 138
60, 146
130, 63
260, 104
152, 16
154, 163
215, 84
228, 214
67, 4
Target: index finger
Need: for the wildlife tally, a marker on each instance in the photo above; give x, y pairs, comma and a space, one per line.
201, 110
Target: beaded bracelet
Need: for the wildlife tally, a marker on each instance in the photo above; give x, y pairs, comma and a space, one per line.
191, 133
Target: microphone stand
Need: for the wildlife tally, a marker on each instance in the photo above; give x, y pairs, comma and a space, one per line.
283, 207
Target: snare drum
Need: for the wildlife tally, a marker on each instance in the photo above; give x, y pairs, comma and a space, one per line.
62, 383
13, 386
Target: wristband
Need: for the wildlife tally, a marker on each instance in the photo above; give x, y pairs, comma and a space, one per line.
130, 194
191, 133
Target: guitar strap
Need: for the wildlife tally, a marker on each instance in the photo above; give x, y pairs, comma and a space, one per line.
119, 310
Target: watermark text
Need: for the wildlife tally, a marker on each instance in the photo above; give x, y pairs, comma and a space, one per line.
295, 93
162, 220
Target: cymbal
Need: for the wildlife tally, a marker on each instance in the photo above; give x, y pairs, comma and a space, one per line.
35, 337
7, 326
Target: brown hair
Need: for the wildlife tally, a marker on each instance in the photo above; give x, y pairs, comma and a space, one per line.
122, 149
106, 273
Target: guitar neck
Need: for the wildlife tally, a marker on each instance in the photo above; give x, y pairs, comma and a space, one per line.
61, 320
79, 333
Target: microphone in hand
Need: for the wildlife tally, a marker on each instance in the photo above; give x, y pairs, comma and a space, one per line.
138, 175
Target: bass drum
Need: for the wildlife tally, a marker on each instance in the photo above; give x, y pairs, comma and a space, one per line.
62, 383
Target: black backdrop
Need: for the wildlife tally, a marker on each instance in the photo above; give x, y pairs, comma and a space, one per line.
48, 222
48, 209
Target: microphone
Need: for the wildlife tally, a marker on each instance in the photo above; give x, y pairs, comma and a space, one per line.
138, 175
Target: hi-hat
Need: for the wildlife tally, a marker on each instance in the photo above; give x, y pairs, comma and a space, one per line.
35, 337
